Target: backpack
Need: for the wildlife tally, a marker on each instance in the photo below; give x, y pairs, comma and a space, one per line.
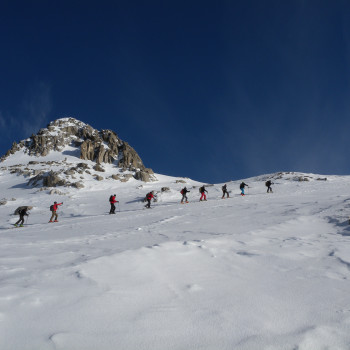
110, 199
51, 207
182, 191
268, 183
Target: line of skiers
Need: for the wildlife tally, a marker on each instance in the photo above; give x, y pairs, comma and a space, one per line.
112, 200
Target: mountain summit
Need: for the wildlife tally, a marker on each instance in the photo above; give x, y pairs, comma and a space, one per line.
67, 141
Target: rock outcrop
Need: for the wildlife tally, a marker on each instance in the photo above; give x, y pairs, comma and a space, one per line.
72, 137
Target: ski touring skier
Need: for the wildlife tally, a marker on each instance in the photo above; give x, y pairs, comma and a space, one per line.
268, 184
224, 191
202, 190
23, 212
241, 187
149, 197
184, 197
112, 200
54, 208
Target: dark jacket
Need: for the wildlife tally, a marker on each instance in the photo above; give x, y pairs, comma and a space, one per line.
184, 191
202, 190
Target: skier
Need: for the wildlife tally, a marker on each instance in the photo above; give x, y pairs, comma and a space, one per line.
241, 187
54, 208
112, 200
21, 213
224, 191
184, 197
149, 197
202, 190
268, 184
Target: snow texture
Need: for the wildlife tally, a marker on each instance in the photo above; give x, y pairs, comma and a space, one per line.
264, 271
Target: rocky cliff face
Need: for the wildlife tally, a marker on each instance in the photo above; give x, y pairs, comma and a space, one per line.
89, 144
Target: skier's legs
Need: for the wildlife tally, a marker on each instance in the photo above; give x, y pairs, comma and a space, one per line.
148, 203
242, 191
202, 196
52, 216
20, 220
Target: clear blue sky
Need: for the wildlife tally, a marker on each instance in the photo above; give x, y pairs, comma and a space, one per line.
212, 90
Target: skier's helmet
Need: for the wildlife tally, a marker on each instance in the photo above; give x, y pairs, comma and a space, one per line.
55, 202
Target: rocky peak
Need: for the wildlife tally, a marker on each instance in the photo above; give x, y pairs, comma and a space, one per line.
99, 146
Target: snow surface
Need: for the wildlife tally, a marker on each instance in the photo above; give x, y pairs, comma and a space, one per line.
264, 271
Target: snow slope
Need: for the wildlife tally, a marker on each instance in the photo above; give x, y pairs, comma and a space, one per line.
264, 271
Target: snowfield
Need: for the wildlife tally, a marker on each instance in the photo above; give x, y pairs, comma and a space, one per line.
264, 271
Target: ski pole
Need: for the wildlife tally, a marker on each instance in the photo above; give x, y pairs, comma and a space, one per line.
118, 207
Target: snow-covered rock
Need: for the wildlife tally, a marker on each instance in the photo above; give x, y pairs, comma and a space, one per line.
65, 143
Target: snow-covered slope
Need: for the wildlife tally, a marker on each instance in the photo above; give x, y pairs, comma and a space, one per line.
264, 271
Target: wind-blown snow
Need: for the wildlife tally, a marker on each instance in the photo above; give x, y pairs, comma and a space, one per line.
266, 271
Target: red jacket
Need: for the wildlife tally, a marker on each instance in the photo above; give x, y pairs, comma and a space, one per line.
55, 206
150, 196
113, 200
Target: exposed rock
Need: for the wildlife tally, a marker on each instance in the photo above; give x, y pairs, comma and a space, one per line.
321, 179
70, 171
144, 176
126, 178
55, 191
180, 181
78, 184
86, 143
99, 168
37, 172
42, 189
116, 177
3, 202
301, 178
83, 165
52, 180
36, 180
98, 177
129, 158
165, 189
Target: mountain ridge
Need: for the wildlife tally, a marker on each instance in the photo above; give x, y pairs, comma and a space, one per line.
74, 144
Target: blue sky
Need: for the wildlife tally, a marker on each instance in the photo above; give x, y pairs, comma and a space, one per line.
212, 90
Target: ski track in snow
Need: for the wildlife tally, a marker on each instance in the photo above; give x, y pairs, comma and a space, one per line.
264, 271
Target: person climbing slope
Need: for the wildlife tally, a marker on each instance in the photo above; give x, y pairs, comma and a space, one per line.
268, 184
241, 187
112, 200
224, 191
149, 197
23, 212
184, 191
202, 190
54, 208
